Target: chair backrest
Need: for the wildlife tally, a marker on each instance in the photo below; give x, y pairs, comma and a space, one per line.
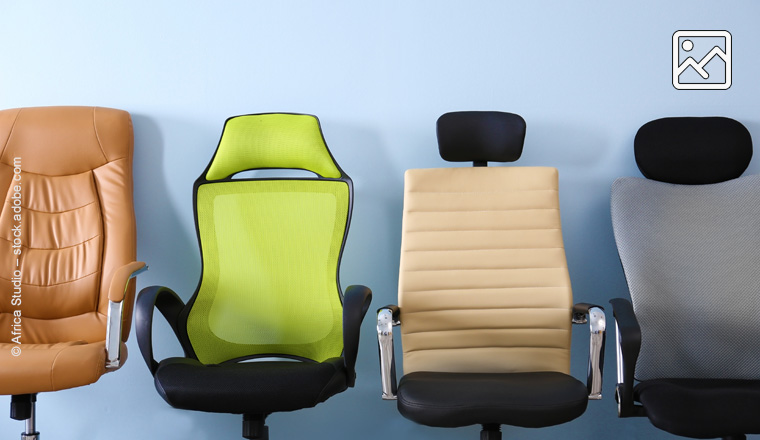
67, 174
691, 250
483, 282
270, 247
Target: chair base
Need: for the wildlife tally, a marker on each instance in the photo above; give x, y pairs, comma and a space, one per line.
735, 437
491, 431
23, 407
254, 427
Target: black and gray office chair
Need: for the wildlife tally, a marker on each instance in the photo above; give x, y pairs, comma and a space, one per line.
484, 291
689, 240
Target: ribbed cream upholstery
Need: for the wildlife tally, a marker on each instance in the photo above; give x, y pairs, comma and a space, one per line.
483, 284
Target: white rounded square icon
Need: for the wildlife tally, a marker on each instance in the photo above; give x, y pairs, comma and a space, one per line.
702, 60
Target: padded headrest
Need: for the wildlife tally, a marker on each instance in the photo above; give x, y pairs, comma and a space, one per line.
693, 151
57, 141
480, 136
272, 140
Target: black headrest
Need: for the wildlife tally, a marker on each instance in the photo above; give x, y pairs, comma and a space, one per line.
480, 136
693, 151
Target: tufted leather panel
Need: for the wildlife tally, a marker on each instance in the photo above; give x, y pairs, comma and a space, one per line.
97, 135
77, 230
483, 284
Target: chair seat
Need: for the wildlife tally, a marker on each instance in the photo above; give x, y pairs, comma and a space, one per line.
50, 367
519, 399
702, 408
248, 387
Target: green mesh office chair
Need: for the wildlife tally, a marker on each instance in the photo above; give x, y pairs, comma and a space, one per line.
269, 291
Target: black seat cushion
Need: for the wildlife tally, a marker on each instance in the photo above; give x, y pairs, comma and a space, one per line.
248, 387
518, 399
702, 408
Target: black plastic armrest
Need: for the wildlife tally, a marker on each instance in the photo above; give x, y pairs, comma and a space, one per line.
356, 302
170, 306
628, 345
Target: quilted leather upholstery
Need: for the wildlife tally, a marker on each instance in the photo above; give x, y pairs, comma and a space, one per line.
77, 229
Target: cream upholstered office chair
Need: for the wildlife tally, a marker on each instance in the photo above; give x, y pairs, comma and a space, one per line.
67, 250
484, 291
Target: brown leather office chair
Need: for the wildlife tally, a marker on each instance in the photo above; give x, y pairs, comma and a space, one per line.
67, 250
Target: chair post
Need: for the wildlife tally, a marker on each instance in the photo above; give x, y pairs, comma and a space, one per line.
31, 428
254, 427
23, 407
491, 431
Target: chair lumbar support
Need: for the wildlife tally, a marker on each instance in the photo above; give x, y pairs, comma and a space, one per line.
23, 407
491, 431
254, 427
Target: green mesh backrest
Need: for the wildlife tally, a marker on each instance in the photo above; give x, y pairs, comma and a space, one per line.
272, 141
270, 254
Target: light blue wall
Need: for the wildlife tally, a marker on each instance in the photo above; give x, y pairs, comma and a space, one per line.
585, 75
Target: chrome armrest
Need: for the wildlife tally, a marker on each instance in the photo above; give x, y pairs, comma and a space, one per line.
385, 324
619, 354
597, 326
115, 322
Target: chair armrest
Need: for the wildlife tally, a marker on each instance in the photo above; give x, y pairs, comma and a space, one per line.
594, 316
120, 281
580, 311
387, 318
169, 304
356, 302
627, 344
116, 294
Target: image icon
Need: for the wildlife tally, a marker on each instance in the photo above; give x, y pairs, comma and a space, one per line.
702, 60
